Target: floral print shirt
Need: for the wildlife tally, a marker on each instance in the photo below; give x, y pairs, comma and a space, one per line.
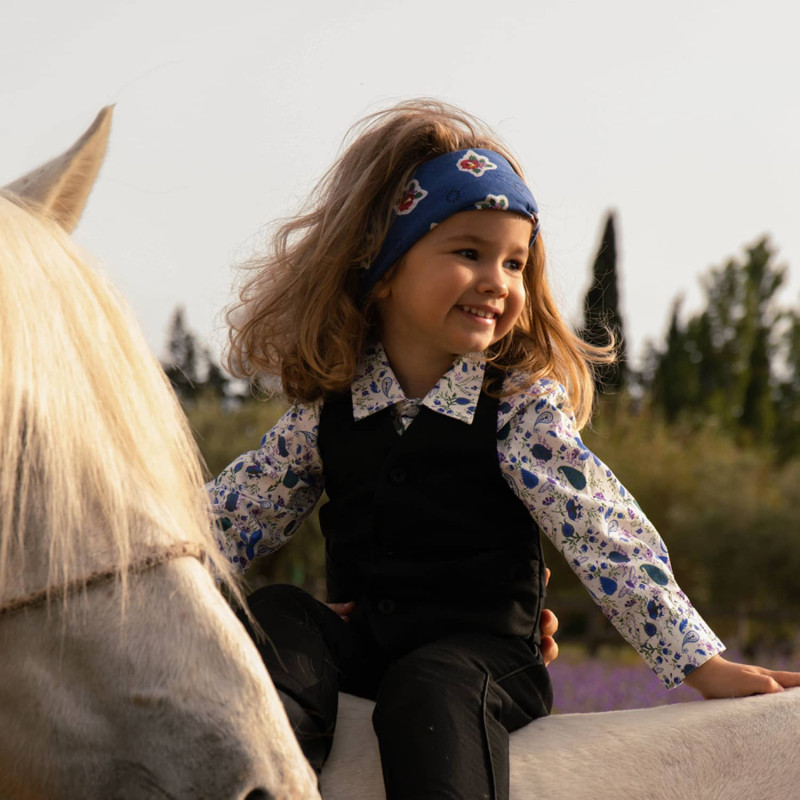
578, 503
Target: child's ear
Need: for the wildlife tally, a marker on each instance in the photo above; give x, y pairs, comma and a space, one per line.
384, 286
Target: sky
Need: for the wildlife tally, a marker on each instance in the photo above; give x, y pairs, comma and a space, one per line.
677, 116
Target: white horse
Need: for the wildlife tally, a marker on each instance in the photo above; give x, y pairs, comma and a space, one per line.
141, 683
124, 673
738, 749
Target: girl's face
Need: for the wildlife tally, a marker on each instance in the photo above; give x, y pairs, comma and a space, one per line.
458, 290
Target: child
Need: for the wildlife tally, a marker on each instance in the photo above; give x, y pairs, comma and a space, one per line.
437, 399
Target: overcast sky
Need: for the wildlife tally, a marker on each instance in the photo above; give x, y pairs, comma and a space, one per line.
681, 116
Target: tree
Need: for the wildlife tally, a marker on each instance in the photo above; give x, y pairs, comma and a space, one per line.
189, 367
602, 318
181, 366
788, 391
720, 364
674, 377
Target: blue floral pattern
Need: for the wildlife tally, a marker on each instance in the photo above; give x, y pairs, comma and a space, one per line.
455, 395
261, 498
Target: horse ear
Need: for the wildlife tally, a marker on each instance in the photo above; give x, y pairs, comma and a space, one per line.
63, 185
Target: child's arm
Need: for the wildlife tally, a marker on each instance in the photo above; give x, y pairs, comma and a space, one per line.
260, 499
601, 531
721, 678
620, 558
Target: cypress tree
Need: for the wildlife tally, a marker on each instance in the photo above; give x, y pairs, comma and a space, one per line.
674, 378
601, 314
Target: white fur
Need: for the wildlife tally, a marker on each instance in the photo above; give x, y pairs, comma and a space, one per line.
145, 688
169, 701
743, 749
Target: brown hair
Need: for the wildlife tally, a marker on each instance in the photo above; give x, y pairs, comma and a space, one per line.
299, 315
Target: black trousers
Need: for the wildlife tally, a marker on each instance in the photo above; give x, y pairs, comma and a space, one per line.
443, 711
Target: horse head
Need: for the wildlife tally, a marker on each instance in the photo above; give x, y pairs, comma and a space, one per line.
124, 671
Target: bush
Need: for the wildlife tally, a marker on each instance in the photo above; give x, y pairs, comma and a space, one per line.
727, 513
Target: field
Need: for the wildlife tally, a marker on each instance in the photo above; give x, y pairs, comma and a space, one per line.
617, 679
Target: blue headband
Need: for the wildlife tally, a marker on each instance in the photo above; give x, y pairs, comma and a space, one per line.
460, 181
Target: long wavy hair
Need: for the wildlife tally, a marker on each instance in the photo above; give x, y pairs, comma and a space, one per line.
96, 458
299, 315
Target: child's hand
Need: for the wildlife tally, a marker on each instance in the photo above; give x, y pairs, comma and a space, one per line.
548, 623
342, 609
721, 678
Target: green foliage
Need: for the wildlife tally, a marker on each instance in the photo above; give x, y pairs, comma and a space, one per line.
723, 364
787, 404
727, 513
224, 430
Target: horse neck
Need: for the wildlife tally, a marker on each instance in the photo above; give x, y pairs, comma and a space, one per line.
36, 566
172, 673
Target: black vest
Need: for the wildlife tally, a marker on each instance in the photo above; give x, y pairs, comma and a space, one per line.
422, 531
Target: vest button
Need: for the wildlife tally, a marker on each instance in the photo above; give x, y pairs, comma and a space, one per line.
386, 606
397, 476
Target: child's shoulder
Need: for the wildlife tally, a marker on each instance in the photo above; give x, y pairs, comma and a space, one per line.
299, 415
543, 396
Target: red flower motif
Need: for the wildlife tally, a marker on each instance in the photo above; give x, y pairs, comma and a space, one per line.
412, 194
470, 164
407, 200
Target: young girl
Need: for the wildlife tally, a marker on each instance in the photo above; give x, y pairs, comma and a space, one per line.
438, 396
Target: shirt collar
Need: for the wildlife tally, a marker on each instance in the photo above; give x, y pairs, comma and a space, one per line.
456, 393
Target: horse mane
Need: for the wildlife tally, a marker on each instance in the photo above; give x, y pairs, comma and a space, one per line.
105, 461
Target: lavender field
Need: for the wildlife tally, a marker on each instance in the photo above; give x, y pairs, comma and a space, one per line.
620, 680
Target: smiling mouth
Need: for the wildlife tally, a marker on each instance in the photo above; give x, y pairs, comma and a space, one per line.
480, 312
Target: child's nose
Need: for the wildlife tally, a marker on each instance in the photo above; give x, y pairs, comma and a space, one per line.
493, 280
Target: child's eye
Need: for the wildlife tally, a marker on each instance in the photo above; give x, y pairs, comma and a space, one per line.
469, 253
515, 266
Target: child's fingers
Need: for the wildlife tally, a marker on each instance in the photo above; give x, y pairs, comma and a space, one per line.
546, 576
342, 609
721, 678
548, 623
765, 684
786, 679
549, 649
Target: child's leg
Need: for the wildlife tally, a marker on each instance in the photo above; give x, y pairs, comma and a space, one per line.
444, 711
306, 642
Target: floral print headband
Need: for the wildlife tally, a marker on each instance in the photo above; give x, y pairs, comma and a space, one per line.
463, 180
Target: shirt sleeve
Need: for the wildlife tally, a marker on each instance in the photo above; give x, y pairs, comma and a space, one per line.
599, 528
259, 500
